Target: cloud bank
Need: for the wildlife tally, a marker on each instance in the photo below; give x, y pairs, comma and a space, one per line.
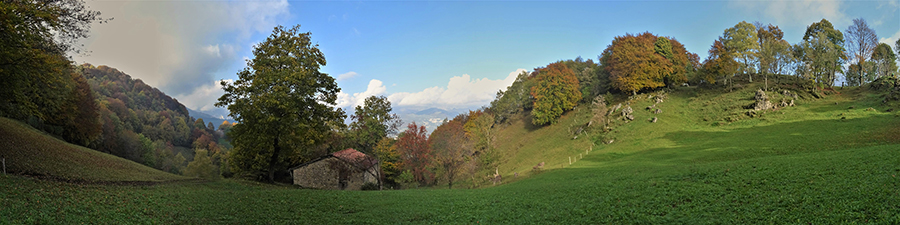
798, 13
179, 46
460, 92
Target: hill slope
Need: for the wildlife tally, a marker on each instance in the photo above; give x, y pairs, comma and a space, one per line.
30, 152
819, 162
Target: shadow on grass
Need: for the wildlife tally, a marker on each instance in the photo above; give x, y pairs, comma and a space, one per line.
761, 141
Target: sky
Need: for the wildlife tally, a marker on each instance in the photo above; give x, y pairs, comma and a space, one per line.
422, 54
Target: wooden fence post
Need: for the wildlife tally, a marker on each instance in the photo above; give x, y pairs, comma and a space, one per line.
570, 160
4, 166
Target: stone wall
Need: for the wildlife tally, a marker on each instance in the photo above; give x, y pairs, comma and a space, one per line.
325, 174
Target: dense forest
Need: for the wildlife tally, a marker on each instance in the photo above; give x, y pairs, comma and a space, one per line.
145, 125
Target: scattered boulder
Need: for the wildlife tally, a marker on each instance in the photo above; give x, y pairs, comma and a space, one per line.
627, 113
761, 95
786, 103
657, 111
653, 120
789, 94
762, 101
538, 167
610, 141
614, 109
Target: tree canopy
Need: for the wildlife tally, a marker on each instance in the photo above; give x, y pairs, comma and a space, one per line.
646, 61
281, 101
885, 60
742, 42
372, 122
555, 92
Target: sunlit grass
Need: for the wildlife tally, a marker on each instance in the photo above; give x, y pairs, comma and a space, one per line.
807, 165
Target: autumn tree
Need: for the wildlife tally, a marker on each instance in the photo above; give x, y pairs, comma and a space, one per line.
452, 149
861, 43
646, 61
281, 101
719, 63
885, 61
774, 52
742, 42
555, 92
372, 122
415, 153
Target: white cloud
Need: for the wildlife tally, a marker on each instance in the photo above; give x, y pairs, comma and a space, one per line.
461, 91
798, 13
890, 40
347, 76
168, 43
203, 98
376, 87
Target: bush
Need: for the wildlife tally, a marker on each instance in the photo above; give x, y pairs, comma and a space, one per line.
369, 186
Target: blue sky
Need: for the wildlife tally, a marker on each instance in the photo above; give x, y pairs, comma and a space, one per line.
444, 54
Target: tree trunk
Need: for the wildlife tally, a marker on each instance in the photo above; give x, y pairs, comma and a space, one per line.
273, 161
862, 71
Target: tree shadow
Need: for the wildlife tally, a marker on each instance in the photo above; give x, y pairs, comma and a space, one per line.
776, 139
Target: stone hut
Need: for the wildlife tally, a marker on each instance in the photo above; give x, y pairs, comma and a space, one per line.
347, 169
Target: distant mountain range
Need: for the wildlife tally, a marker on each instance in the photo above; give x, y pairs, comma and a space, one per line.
431, 118
216, 120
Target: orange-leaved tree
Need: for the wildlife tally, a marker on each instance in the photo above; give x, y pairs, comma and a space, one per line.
555, 91
451, 147
635, 62
415, 153
719, 63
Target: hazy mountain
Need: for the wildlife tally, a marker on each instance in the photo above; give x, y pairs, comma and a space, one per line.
216, 120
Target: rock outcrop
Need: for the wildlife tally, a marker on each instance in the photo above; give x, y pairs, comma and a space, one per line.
628, 113
762, 101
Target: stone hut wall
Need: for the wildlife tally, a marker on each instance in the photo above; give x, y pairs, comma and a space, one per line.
322, 175
317, 175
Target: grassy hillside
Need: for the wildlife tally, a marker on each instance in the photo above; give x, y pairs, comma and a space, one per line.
702, 162
30, 152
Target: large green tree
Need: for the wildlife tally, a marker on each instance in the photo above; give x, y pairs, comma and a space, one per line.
372, 122
515, 99
861, 42
821, 52
555, 92
741, 40
282, 103
885, 60
35, 37
821, 59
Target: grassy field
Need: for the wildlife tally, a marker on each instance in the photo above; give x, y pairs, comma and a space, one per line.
30, 152
703, 162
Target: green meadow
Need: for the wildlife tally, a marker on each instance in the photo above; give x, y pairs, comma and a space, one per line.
834, 159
